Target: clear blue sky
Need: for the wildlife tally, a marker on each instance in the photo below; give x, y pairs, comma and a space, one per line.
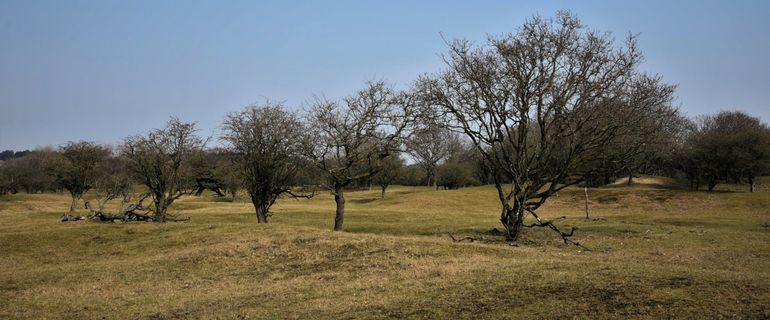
102, 70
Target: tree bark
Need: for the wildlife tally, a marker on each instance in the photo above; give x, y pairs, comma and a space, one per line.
74, 204
630, 178
431, 175
160, 208
383, 191
751, 183
339, 199
512, 219
261, 213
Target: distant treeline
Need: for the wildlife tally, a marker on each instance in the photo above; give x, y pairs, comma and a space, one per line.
10, 154
730, 146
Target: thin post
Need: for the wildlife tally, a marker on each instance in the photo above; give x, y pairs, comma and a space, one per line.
585, 190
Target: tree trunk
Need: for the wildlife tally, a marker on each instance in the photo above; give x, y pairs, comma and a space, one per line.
751, 183
160, 209
630, 177
712, 184
512, 219
74, 204
431, 175
383, 191
339, 199
261, 213
606, 178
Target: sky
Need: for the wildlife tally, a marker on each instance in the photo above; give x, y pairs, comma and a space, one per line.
102, 70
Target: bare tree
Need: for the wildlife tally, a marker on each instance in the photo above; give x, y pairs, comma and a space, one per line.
657, 123
730, 145
114, 179
429, 147
77, 169
390, 170
346, 140
534, 104
32, 171
228, 173
162, 160
265, 141
460, 168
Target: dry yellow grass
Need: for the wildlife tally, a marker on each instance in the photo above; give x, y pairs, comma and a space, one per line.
656, 253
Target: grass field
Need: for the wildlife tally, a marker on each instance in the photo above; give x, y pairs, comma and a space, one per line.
656, 252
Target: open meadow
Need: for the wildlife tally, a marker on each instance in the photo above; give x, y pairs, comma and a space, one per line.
656, 251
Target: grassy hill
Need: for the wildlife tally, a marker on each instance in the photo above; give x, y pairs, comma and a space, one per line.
656, 252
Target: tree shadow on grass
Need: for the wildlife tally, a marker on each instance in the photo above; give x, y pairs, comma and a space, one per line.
364, 200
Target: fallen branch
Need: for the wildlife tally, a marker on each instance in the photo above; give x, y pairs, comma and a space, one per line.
565, 236
466, 238
126, 214
66, 217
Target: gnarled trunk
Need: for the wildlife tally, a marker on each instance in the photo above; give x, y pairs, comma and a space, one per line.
261, 201
261, 213
512, 218
74, 204
161, 206
339, 199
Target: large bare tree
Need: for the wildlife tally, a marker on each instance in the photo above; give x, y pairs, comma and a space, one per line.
265, 141
535, 103
163, 161
348, 139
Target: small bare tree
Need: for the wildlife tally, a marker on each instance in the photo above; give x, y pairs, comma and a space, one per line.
390, 170
162, 161
429, 147
77, 169
347, 140
264, 141
534, 104
228, 173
